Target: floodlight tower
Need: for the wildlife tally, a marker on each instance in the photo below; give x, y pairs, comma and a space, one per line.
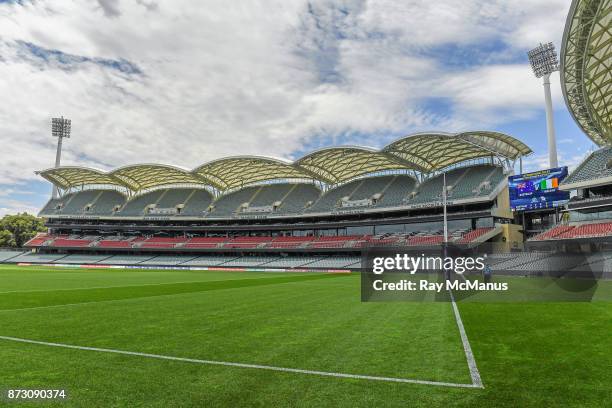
544, 62
60, 128
445, 219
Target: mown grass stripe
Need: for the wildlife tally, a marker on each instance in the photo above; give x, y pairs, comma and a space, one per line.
21, 300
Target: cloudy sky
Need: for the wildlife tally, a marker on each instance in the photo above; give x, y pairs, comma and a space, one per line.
184, 82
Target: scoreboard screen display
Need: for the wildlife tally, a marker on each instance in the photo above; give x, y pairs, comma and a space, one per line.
537, 190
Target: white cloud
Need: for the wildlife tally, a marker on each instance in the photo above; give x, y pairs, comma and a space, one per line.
11, 206
256, 78
540, 161
110, 7
530, 22
495, 94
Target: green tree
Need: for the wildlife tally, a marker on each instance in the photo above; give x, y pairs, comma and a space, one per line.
16, 230
6, 239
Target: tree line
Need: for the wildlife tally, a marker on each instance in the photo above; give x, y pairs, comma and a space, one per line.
16, 230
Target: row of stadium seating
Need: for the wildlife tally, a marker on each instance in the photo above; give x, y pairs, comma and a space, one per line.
524, 261
6, 256
104, 203
461, 183
551, 262
266, 261
399, 190
597, 165
587, 230
598, 263
528, 262
282, 199
259, 242
473, 235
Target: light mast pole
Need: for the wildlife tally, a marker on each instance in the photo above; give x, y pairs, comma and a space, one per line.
544, 62
60, 128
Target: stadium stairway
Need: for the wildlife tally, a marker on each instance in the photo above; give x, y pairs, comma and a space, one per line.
126, 259
228, 204
552, 233
78, 201
51, 207
137, 205
7, 256
174, 260
30, 257
197, 203
397, 190
331, 198
480, 235
84, 259
40, 239
296, 199
106, 202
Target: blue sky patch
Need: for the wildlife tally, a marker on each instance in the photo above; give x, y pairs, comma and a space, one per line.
66, 61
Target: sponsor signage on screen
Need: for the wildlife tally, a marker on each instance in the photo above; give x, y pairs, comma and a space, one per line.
537, 190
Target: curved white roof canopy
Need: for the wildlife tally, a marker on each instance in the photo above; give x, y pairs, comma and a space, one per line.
423, 152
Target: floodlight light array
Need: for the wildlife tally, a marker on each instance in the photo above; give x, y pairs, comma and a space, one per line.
544, 59
60, 127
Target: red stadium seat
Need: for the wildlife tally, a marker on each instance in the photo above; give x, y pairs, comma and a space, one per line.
204, 242
474, 234
69, 243
425, 240
38, 240
174, 240
553, 232
289, 242
588, 231
114, 244
336, 241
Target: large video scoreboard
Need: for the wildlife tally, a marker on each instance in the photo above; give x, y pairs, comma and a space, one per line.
537, 190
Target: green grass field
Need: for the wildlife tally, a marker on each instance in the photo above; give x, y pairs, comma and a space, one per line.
528, 354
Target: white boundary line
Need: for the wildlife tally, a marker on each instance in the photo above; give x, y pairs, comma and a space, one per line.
88, 303
242, 365
469, 355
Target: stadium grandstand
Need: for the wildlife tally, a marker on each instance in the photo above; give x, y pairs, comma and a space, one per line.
321, 210
586, 81
317, 212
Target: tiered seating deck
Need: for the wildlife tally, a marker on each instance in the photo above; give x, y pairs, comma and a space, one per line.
591, 230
